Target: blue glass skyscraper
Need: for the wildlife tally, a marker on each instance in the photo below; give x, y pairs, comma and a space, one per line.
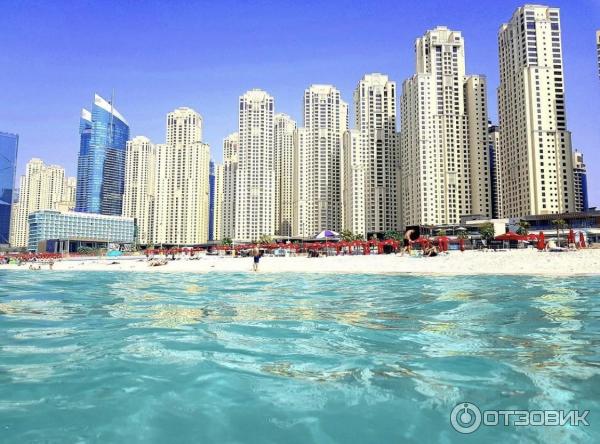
101, 165
8, 163
211, 200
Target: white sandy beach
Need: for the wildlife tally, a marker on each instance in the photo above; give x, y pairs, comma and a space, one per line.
583, 262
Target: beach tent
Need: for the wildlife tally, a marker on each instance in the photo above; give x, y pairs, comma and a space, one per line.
327, 234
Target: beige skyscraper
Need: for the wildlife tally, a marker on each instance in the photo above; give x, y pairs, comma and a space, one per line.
375, 114
318, 161
218, 211
140, 186
535, 147
444, 141
180, 214
43, 187
255, 184
68, 197
580, 182
230, 167
283, 131
355, 176
495, 174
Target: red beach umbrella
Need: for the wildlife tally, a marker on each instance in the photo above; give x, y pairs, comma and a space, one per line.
511, 236
541, 241
581, 240
571, 236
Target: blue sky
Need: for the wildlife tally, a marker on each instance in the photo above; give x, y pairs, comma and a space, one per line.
158, 55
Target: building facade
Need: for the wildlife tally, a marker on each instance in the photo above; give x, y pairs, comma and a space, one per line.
444, 141
495, 176
318, 161
181, 208
355, 176
55, 231
535, 145
8, 165
43, 187
140, 187
211, 200
230, 168
283, 133
580, 189
375, 114
101, 164
255, 181
217, 234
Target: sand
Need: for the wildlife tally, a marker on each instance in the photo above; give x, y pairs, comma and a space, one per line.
513, 262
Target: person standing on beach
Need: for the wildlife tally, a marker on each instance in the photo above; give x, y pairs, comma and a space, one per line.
256, 257
407, 242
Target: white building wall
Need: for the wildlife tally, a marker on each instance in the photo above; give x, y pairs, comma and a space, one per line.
355, 177
230, 167
284, 128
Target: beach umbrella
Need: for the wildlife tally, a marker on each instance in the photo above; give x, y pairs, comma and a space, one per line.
327, 234
443, 242
532, 237
571, 236
541, 241
461, 244
581, 239
511, 236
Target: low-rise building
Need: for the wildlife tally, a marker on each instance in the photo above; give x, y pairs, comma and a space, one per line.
66, 232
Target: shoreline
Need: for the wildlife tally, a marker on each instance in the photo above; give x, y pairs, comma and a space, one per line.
513, 262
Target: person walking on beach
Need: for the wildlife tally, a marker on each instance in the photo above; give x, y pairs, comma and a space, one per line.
256, 256
407, 242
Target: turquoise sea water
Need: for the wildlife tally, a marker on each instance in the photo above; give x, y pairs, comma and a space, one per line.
254, 358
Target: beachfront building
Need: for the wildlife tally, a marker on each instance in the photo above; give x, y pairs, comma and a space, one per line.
211, 200
43, 187
535, 145
140, 186
283, 133
217, 223
494, 166
355, 168
8, 165
180, 215
69, 193
375, 119
318, 162
54, 231
444, 135
230, 167
255, 181
580, 190
101, 164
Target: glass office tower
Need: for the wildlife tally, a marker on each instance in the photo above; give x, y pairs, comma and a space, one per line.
8, 164
104, 133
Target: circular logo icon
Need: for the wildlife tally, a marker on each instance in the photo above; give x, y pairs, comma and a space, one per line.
465, 417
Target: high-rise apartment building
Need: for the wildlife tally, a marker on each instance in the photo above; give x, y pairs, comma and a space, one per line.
444, 141
375, 115
255, 184
355, 176
8, 165
230, 168
318, 161
535, 145
580, 190
283, 133
217, 233
181, 204
43, 187
495, 176
101, 164
211, 200
140, 187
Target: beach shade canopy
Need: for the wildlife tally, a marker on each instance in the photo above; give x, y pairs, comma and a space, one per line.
327, 234
571, 236
532, 237
511, 236
541, 241
581, 240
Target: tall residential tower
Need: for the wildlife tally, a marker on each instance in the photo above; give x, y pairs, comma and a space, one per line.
8, 166
535, 146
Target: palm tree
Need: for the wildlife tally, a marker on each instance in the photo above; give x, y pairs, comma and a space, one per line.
347, 235
393, 234
487, 232
523, 229
560, 224
227, 241
265, 239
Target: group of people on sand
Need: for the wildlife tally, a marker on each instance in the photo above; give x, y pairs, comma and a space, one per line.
429, 250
